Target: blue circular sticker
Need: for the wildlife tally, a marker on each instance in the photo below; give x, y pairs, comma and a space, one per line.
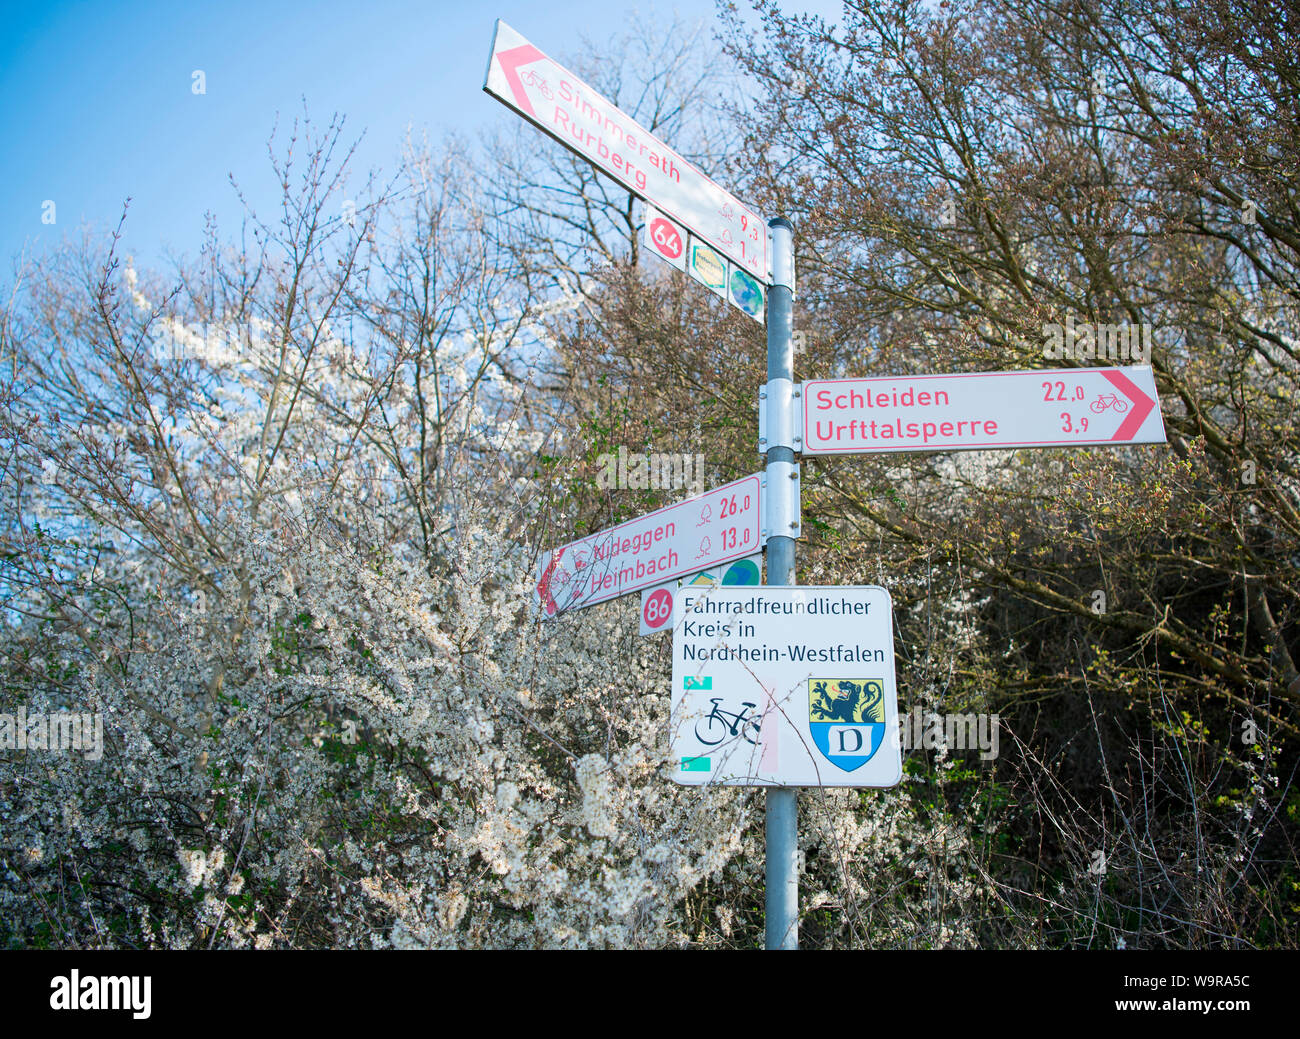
746, 293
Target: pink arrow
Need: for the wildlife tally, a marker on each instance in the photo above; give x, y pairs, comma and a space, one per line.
1142, 404
771, 755
544, 585
510, 61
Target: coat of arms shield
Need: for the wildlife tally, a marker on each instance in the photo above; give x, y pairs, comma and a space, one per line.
847, 719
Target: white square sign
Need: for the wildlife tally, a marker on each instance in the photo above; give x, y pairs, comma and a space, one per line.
776, 686
665, 238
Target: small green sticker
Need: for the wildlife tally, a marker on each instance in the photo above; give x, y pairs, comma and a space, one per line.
696, 765
697, 683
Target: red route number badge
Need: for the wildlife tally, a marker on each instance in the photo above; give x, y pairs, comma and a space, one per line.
665, 237
658, 609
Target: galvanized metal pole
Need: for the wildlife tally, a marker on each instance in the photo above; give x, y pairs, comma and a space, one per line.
782, 867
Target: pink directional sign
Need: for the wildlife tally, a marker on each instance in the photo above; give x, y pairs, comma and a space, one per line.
716, 527
1066, 407
554, 99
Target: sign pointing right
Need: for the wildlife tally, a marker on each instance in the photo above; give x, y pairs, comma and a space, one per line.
1065, 407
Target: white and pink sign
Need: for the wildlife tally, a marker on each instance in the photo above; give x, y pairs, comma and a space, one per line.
716, 527
1065, 407
558, 102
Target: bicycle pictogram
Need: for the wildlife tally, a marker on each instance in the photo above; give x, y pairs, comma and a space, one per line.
532, 79
722, 724
1108, 400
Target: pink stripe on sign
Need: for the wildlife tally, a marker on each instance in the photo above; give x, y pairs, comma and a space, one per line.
544, 585
767, 761
1142, 404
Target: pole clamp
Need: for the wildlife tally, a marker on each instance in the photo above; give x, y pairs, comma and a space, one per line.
780, 416
782, 513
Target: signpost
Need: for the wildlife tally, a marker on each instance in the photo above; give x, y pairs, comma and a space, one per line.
762, 697
785, 687
556, 101
781, 824
1060, 407
723, 524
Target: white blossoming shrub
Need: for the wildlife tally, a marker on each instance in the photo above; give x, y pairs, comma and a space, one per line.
320, 727
293, 572
505, 788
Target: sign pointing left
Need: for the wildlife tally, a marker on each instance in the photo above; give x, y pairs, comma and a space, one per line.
510, 62
716, 527
559, 103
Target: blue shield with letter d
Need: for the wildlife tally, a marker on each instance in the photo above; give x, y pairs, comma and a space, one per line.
846, 717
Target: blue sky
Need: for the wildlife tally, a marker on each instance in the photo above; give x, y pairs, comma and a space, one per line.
97, 100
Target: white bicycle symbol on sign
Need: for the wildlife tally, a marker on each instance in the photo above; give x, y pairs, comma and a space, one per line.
532, 79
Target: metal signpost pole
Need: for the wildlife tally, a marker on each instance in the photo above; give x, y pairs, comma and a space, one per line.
782, 866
